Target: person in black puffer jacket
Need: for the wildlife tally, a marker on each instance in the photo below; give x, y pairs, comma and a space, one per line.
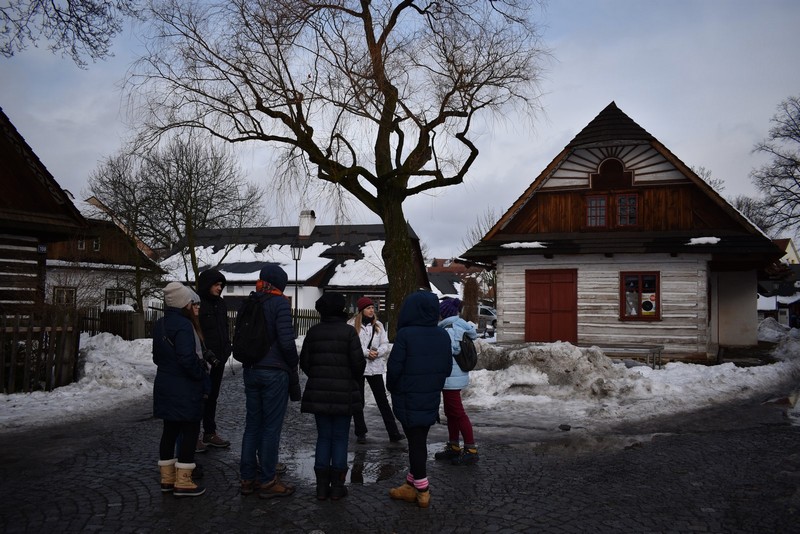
332, 359
216, 334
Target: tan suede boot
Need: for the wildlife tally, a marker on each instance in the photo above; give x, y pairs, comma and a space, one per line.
424, 498
406, 492
168, 475
184, 485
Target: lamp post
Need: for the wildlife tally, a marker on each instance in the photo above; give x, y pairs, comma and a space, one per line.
297, 253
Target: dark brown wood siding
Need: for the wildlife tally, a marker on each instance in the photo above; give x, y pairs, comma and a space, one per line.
21, 272
674, 207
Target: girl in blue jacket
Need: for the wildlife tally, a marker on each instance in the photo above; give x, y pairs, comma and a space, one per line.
418, 365
457, 419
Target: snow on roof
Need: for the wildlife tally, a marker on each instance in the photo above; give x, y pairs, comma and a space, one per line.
704, 241
533, 244
242, 263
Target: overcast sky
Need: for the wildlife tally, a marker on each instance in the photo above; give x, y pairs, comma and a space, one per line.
703, 76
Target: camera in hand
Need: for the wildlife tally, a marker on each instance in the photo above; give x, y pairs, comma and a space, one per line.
211, 358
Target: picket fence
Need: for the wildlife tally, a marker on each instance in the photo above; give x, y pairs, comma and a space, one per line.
39, 350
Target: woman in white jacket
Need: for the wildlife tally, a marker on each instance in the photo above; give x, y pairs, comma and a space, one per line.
375, 345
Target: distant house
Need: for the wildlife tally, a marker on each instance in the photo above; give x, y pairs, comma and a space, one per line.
447, 278
97, 267
779, 294
617, 241
34, 212
343, 258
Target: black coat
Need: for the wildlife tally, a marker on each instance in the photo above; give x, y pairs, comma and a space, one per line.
332, 359
214, 315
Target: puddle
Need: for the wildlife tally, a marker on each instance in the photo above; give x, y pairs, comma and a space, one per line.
367, 466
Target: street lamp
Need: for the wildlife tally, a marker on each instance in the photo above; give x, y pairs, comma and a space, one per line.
297, 253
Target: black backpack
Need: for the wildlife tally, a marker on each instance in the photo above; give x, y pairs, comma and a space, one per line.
467, 358
250, 337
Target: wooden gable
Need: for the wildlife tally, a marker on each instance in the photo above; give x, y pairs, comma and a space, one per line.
34, 211
32, 203
615, 159
101, 243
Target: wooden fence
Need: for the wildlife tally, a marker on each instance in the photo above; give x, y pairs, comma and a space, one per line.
39, 350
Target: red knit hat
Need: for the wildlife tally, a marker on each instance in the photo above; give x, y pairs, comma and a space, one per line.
363, 302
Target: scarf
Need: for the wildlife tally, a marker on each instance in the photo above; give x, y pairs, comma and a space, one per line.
263, 286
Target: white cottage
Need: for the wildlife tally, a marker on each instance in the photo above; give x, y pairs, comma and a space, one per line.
617, 242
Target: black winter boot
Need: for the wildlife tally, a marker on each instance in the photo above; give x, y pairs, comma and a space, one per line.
323, 482
338, 478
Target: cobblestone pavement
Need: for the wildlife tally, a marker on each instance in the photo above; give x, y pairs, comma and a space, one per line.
735, 469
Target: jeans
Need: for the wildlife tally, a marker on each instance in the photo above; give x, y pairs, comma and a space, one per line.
332, 437
379, 392
457, 419
266, 394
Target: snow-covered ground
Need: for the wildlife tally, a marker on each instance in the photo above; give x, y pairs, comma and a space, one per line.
556, 381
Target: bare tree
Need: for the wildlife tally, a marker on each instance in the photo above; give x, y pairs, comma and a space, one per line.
779, 180
119, 189
480, 228
164, 196
757, 211
718, 184
77, 28
380, 98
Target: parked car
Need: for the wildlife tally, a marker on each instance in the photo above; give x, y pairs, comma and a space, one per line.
487, 320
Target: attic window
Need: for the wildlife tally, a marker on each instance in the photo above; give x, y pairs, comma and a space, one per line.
623, 208
596, 211
627, 210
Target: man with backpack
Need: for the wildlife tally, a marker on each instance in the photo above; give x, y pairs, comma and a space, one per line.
266, 347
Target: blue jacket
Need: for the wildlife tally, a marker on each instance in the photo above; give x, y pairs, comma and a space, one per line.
178, 387
456, 327
420, 361
282, 353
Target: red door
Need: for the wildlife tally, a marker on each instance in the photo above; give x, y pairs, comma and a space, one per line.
551, 305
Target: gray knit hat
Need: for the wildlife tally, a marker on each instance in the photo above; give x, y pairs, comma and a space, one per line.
177, 295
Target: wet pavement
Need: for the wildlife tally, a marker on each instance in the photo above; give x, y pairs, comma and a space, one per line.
731, 469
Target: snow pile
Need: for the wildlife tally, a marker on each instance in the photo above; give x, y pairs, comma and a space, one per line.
536, 383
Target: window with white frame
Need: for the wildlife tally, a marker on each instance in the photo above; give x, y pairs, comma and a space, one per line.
115, 297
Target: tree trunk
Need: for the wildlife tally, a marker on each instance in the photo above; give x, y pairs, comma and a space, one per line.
398, 258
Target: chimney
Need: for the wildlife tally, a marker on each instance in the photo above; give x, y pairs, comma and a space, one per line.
307, 223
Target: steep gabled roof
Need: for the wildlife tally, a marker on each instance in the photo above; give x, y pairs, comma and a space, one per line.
613, 134
32, 202
610, 125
